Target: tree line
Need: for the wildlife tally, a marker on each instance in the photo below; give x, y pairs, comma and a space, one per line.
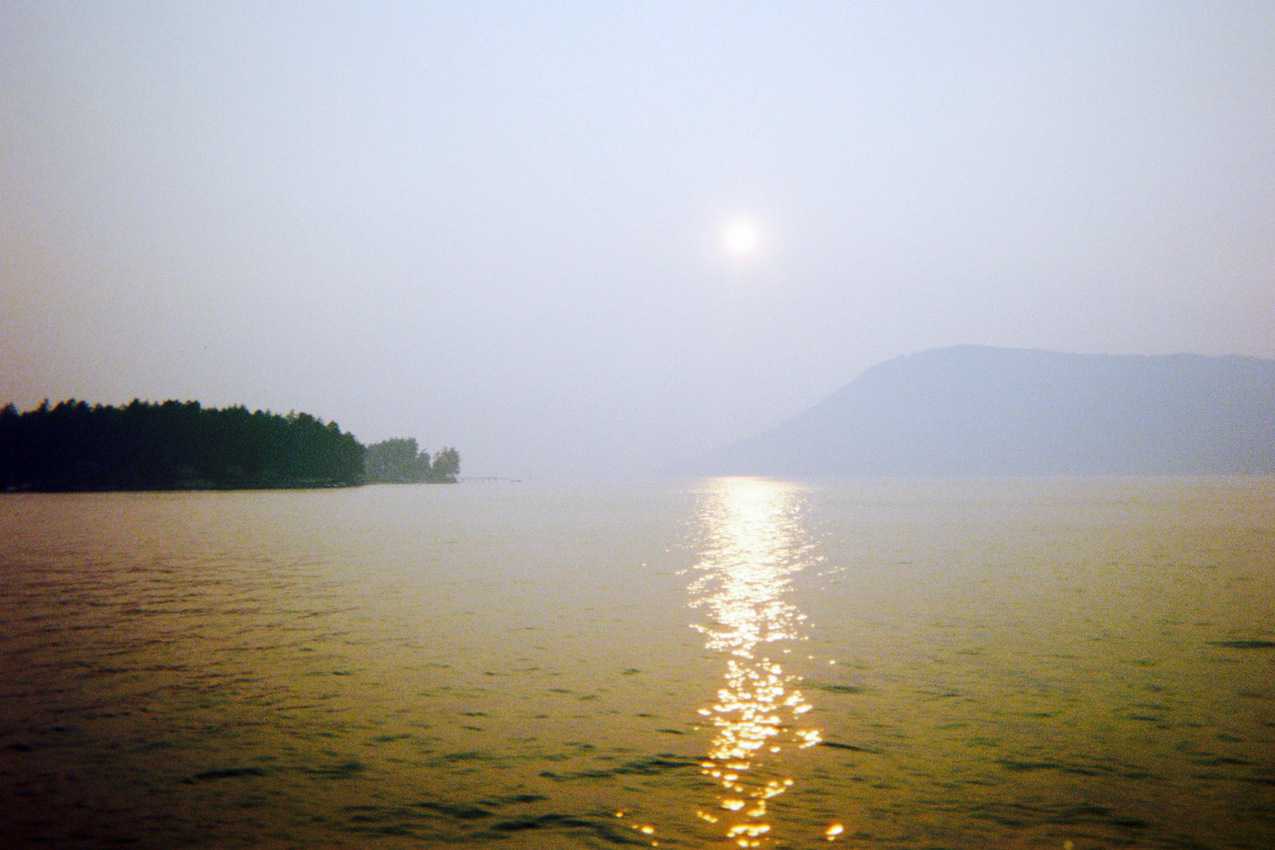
183, 445
399, 460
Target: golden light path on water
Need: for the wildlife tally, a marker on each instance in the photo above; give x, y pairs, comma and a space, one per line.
755, 544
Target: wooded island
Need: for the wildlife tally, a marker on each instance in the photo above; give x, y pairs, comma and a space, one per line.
177, 445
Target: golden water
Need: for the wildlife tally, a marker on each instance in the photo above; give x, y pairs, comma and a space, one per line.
721, 663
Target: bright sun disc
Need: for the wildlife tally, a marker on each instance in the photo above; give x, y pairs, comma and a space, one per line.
740, 238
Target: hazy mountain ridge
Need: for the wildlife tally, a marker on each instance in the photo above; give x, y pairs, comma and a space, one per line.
973, 410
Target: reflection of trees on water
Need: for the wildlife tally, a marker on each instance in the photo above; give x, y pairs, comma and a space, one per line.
756, 543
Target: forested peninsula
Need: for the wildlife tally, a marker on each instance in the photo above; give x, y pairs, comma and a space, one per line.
182, 445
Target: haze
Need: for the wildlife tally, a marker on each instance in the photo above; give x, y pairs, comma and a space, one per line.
513, 227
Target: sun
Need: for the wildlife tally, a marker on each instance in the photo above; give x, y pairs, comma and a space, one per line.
740, 237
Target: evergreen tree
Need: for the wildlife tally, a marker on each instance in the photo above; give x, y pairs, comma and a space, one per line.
145, 445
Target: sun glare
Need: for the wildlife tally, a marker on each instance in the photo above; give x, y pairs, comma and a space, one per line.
740, 238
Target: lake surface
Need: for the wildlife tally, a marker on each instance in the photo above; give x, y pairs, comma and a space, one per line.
717, 663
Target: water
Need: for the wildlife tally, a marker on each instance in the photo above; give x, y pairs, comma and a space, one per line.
879, 664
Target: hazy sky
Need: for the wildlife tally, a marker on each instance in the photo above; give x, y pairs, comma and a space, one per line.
502, 225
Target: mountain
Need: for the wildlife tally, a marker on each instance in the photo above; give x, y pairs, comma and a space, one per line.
974, 410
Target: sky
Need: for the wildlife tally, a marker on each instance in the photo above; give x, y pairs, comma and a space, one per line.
582, 239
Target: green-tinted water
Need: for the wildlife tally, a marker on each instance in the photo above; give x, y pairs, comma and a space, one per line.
879, 663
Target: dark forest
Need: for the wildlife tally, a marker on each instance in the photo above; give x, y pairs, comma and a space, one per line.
179, 445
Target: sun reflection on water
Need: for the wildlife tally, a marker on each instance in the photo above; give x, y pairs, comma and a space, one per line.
756, 543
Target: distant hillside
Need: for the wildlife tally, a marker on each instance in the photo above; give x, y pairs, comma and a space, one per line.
972, 410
